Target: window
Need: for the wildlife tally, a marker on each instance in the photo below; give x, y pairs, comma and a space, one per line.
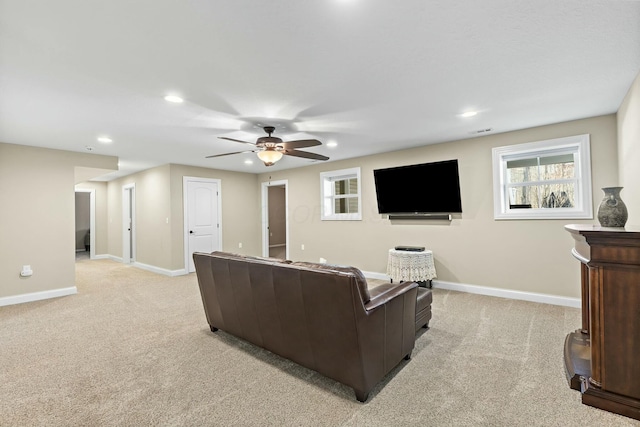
543, 180
340, 192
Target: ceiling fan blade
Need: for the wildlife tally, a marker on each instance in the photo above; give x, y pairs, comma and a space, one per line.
306, 155
301, 143
236, 140
228, 154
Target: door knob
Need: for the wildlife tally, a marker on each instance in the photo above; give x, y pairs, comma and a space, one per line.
191, 232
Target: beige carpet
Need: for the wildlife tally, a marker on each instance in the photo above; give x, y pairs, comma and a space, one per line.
133, 348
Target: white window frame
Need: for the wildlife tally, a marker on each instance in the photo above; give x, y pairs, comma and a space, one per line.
578, 144
330, 177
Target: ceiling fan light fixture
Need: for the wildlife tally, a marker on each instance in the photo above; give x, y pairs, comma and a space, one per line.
270, 149
269, 156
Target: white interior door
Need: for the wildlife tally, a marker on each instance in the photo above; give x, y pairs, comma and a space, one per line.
202, 218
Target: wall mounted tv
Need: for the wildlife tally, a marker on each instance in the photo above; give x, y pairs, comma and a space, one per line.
421, 189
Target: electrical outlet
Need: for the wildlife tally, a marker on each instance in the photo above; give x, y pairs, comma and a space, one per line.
302, 246
26, 271
240, 245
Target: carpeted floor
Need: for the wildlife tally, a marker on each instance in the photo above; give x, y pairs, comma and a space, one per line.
133, 348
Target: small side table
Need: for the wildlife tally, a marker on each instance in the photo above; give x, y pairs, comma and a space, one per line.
411, 266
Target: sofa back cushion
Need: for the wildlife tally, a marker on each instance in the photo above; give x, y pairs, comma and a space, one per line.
361, 281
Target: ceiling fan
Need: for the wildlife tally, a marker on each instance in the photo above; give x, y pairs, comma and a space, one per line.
270, 149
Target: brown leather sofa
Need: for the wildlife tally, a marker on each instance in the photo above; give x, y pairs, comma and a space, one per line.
317, 315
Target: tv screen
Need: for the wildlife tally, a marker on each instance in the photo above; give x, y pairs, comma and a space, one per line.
419, 189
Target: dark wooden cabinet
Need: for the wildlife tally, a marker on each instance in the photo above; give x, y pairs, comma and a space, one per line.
602, 358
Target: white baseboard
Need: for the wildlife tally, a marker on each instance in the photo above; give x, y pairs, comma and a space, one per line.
158, 270
37, 296
374, 275
147, 267
508, 293
493, 292
102, 256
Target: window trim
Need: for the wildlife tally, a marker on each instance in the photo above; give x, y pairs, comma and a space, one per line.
333, 176
584, 200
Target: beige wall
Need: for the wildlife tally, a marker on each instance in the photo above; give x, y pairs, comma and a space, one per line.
152, 208
530, 255
101, 225
629, 152
159, 210
37, 216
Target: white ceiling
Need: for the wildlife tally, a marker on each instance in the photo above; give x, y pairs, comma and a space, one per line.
371, 75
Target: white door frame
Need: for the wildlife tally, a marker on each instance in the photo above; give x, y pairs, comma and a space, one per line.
185, 217
265, 214
92, 219
128, 203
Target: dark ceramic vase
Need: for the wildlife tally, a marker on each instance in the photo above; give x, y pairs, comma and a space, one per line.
612, 211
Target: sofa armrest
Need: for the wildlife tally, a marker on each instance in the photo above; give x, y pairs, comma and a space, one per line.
380, 295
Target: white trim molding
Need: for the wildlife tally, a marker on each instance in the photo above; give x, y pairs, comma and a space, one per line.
38, 296
147, 267
159, 270
492, 292
508, 293
374, 275
328, 196
577, 146
114, 258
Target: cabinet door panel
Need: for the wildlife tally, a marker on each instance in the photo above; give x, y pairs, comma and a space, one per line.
621, 330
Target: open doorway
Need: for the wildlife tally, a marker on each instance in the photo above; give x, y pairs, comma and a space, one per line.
275, 225
85, 224
128, 223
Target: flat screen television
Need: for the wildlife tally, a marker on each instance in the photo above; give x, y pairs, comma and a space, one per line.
419, 189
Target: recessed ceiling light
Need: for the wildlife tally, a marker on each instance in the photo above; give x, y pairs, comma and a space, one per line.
105, 139
248, 162
332, 144
174, 99
469, 114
